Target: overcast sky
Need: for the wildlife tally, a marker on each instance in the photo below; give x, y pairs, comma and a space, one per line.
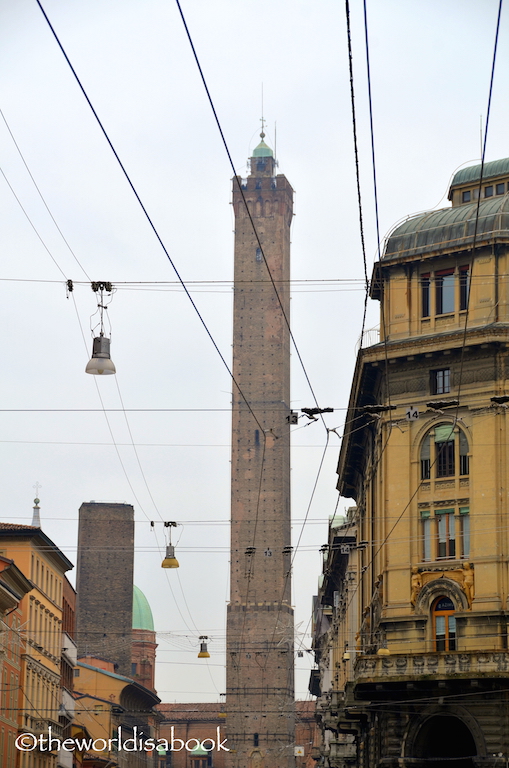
430, 67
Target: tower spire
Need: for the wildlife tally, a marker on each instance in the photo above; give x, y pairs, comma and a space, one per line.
36, 517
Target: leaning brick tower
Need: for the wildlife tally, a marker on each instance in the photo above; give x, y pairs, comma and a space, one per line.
260, 702
104, 582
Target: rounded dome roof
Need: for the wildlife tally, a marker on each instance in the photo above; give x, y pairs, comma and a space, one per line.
473, 172
142, 613
262, 150
451, 229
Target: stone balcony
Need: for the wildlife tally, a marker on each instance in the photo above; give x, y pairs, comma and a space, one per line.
416, 666
39, 726
338, 749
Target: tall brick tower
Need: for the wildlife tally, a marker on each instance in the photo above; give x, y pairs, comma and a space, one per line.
104, 583
260, 664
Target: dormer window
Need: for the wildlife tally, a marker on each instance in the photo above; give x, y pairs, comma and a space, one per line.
466, 196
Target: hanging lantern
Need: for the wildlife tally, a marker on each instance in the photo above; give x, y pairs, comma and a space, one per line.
170, 561
204, 654
100, 363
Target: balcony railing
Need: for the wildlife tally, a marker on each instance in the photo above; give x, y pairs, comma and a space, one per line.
457, 663
368, 338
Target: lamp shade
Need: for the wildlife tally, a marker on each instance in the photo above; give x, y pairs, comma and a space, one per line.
170, 561
100, 364
204, 653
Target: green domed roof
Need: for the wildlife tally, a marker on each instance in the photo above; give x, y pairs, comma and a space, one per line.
262, 150
473, 172
142, 614
451, 229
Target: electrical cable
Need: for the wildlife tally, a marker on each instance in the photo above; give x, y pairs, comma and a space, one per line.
375, 554
357, 168
42, 196
147, 216
246, 207
83, 336
31, 223
290, 673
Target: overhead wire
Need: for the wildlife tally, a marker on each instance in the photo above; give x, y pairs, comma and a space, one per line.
146, 214
357, 167
84, 341
413, 495
32, 224
153, 227
123, 410
42, 196
277, 294
246, 207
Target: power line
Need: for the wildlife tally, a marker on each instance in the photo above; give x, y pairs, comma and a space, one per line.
147, 216
246, 207
41, 195
357, 169
455, 421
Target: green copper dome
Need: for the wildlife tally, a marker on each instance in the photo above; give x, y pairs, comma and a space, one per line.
142, 614
473, 173
262, 150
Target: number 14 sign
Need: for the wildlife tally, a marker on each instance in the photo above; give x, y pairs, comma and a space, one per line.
411, 413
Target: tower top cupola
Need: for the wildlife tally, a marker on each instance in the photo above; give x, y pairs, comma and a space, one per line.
262, 159
262, 150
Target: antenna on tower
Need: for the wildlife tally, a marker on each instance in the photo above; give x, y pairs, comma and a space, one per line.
263, 119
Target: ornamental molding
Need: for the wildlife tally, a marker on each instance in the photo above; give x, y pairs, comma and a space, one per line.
456, 583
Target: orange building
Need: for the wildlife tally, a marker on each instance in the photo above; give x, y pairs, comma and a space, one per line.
106, 702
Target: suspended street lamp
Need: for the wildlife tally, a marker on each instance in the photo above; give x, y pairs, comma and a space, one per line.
170, 561
204, 654
101, 364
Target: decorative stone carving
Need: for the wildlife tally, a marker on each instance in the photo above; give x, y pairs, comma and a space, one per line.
426, 584
415, 585
468, 582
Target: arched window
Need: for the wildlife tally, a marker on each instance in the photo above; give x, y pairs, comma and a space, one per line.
444, 452
444, 624
445, 528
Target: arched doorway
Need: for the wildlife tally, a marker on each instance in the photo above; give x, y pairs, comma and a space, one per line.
445, 740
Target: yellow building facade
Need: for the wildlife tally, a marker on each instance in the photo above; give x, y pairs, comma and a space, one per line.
412, 639
40, 633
